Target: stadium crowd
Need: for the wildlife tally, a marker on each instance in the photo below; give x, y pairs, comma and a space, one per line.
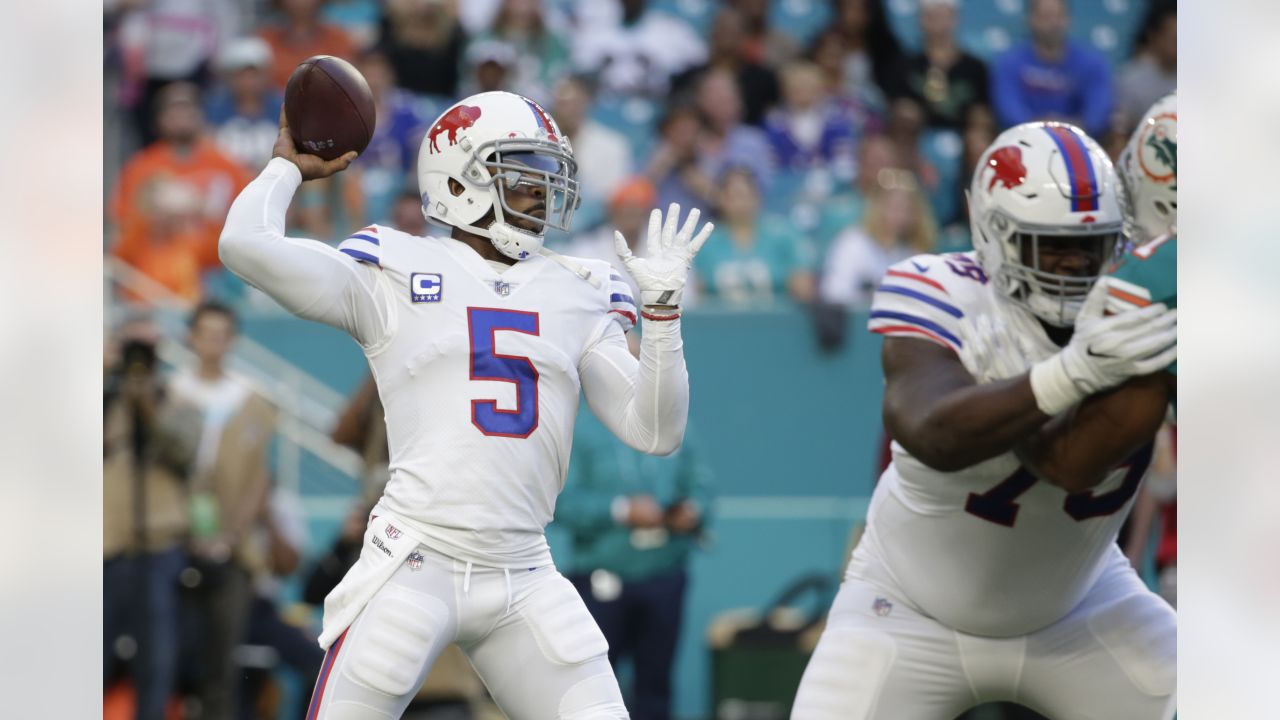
825, 155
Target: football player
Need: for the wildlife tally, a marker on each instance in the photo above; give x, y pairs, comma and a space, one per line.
1113, 425
479, 341
989, 569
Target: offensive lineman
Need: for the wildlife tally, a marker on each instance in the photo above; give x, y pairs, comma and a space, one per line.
989, 570
479, 343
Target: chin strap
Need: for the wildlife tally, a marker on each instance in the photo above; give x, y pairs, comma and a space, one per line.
571, 266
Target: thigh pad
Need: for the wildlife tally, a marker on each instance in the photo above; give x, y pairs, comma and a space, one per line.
561, 624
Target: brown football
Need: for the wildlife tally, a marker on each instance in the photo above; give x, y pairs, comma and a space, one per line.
329, 107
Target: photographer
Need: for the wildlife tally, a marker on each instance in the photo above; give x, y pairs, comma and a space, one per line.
229, 485
148, 445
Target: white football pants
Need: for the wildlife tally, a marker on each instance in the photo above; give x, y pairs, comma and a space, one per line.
526, 631
1113, 657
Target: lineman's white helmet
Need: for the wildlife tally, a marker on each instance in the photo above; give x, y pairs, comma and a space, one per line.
1040, 180
492, 143
1149, 170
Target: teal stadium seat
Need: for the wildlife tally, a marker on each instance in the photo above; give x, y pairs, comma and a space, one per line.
634, 117
800, 19
989, 27
698, 13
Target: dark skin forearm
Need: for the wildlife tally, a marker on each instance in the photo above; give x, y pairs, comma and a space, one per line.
1112, 425
353, 424
936, 410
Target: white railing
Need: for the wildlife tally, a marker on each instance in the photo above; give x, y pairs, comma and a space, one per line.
308, 407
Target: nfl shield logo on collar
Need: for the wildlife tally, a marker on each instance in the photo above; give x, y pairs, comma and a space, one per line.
426, 287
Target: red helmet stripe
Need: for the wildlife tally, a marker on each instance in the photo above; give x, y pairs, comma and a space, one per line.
1084, 184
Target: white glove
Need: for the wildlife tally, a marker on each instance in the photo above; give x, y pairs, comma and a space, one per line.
662, 273
991, 350
1105, 351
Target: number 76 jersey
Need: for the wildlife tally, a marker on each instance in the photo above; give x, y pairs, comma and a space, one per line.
478, 371
987, 550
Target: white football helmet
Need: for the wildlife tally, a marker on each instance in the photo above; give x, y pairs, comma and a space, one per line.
1043, 181
492, 143
1149, 171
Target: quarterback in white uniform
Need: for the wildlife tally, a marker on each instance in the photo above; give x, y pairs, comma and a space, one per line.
479, 342
989, 569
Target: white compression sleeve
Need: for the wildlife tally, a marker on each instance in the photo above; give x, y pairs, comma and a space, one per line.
644, 402
310, 279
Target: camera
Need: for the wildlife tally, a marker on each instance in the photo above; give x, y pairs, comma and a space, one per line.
138, 356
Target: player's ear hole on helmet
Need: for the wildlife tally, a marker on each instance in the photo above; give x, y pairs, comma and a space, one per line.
455, 187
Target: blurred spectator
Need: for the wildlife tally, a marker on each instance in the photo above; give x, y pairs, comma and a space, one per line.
1153, 71
873, 61
541, 54
148, 444
300, 35
387, 165
808, 131
763, 44
725, 140
944, 79
906, 130
898, 225
424, 42
673, 165
167, 41
158, 232
168, 253
406, 214
1052, 77
603, 154
635, 520
979, 132
757, 83
282, 536
863, 110
326, 209
229, 487
244, 110
877, 158
490, 65
752, 258
357, 18
634, 50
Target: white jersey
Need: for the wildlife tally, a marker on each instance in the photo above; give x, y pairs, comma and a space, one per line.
478, 367
988, 550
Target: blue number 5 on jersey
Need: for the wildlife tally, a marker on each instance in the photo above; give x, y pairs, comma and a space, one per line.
486, 364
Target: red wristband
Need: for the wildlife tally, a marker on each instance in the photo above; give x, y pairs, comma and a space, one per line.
659, 318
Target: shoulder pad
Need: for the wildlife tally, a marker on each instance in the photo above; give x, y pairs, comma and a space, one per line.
365, 245
925, 297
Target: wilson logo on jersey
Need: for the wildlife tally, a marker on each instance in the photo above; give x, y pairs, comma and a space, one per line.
426, 287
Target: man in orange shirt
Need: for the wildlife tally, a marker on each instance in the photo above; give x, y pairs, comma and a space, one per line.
173, 196
301, 36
